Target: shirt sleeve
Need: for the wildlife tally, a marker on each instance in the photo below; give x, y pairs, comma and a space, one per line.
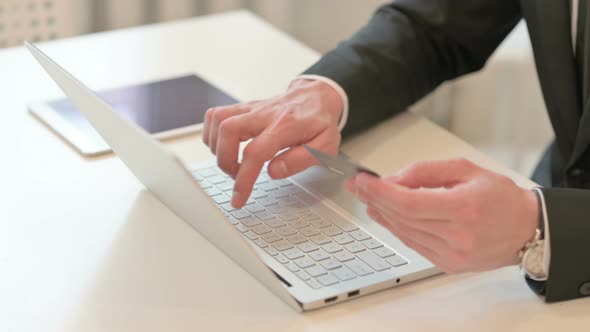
338, 89
546, 242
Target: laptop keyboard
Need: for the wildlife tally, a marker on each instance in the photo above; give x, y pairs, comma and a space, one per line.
312, 240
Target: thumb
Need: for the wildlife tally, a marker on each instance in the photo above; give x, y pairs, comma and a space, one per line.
297, 159
435, 174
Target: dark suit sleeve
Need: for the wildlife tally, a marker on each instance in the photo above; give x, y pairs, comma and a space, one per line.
408, 48
569, 231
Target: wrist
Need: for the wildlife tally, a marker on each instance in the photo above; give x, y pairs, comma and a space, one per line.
333, 97
533, 209
531, 222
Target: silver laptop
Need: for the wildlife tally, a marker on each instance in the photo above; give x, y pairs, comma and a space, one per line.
304, 238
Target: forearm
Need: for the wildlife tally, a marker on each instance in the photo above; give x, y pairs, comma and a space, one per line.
408, 48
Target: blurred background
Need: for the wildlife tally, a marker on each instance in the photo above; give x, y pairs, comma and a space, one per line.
499, 110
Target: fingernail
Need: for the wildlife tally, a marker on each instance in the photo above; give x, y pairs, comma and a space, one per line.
282, 166
236, 199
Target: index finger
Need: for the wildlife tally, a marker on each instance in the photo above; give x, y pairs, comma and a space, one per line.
411, 203
256, 153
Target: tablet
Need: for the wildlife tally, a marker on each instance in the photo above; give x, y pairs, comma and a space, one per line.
166, 109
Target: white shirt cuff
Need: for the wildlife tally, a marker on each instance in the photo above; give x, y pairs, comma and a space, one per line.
338, 89
546, 242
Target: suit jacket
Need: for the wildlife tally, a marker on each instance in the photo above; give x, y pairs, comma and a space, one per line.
409, 47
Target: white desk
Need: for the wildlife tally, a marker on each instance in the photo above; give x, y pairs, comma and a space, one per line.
83, 247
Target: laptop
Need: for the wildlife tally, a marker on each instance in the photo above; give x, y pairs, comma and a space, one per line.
304, 238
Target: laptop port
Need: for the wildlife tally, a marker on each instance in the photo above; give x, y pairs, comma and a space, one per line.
354, 293
331, 299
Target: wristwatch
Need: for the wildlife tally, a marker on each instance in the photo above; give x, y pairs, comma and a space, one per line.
533, 253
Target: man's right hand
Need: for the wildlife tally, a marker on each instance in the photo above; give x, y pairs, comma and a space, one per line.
307, 113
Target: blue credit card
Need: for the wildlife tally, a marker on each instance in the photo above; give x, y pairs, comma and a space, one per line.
339, 165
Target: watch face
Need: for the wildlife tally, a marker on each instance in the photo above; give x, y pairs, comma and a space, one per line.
532, 262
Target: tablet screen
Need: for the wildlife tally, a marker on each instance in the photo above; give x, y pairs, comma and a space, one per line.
156, 107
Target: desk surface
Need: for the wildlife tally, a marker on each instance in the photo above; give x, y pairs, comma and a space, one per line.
83, 246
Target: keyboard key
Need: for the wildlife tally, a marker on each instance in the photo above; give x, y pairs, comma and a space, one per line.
261, 180
309, 231
354, 247
286, 230
255, 208
282, 259
261, 229
396, 261
320, 223
344, 273
216, 179
228, 207
314, 284
320, 239
288, 215
212, 191
343, 256
298, 223
225, 186
271, 251
292, 189
251, 236
384, 252
332, 247
222, 198
288, 200
373, 261
271, 237
267, 201
358, 267
261, 243
267, 186
327, 280
296, 238
250, 221
293, 253
274, 223
258, 194
205, 184
304, 262
335, 218
198, 177
372, 244
316, 271
250, 201
291, 266
279, 193
309, 215
240, 214
343, 239
282, 182
318, 255
359, 235
331, 230
207, 172
330, 264
298, 207
307, 246
282, 245
232, 220
278, 208
307, 198
242, 228
264, 215
302, 275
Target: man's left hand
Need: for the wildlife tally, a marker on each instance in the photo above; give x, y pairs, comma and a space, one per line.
456, 214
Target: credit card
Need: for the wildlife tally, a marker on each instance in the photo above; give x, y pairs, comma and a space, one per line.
339, 165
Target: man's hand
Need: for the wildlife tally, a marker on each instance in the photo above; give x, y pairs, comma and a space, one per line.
307, 113
458, 215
